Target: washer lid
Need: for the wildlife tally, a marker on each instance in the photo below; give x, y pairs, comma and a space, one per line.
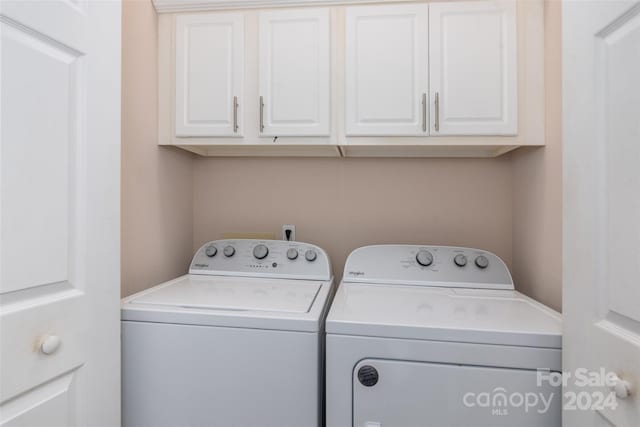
443, 314
233, 293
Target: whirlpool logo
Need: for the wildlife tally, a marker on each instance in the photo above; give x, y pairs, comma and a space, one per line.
356, 273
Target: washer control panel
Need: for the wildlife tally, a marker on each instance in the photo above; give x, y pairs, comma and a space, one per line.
443, 266
262, 258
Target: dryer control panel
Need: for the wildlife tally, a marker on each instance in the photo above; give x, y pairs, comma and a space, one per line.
442, 266
262, 258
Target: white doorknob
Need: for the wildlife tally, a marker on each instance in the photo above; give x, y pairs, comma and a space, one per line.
621, 387
50, 344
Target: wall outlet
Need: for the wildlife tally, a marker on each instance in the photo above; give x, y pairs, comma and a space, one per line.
289, 232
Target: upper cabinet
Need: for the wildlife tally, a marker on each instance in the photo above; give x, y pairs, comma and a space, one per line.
406, 79
473, 76
294, 72
386, 71
209, 74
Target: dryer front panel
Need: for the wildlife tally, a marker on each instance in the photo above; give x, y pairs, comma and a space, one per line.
420, 394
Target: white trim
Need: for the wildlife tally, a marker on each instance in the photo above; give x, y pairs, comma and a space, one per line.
168, 6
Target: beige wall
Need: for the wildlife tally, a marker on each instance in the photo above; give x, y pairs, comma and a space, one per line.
157, 202
537, 187
172, 203
341, 204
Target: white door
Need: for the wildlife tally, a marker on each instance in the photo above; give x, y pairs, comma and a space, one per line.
209, 74
59, 211
601, 285
294, 72
386, 70
473, 81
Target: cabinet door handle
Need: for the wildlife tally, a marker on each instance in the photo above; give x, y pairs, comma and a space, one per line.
50, 344
235, 114
261, 114
436, 124
424, 112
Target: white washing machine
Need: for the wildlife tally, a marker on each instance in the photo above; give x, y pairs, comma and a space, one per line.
437, 336
236, 342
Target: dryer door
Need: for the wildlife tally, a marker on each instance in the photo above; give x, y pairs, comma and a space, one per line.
419, 394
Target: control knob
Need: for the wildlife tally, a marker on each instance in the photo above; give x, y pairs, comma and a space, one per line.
482, 261
292, 254
460, 260
310, 255
260, 251
228, 251
211, 251
424, 258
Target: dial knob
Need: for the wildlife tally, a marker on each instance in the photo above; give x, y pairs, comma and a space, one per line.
482, 261
260, 251
292, 254
424, 258
460, 260
228, 251
310, 255
211, 251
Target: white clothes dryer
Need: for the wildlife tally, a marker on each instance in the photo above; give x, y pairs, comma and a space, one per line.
437, 336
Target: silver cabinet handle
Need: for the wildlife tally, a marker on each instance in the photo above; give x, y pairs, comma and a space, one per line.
261, 114
235, 114
436, 125
424, 112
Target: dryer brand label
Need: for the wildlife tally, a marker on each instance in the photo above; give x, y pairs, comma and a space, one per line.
201, 265
355, 273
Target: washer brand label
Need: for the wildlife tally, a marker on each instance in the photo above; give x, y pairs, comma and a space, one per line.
356, 273
201, 265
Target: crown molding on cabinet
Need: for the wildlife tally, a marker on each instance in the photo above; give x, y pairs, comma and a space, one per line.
170, 6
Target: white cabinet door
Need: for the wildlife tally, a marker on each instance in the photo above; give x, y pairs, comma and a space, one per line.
601, 181
473, 75
209, 74
60, 210
386, 57
294, 72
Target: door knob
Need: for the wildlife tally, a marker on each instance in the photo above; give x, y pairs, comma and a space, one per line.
621, 387
50, 344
